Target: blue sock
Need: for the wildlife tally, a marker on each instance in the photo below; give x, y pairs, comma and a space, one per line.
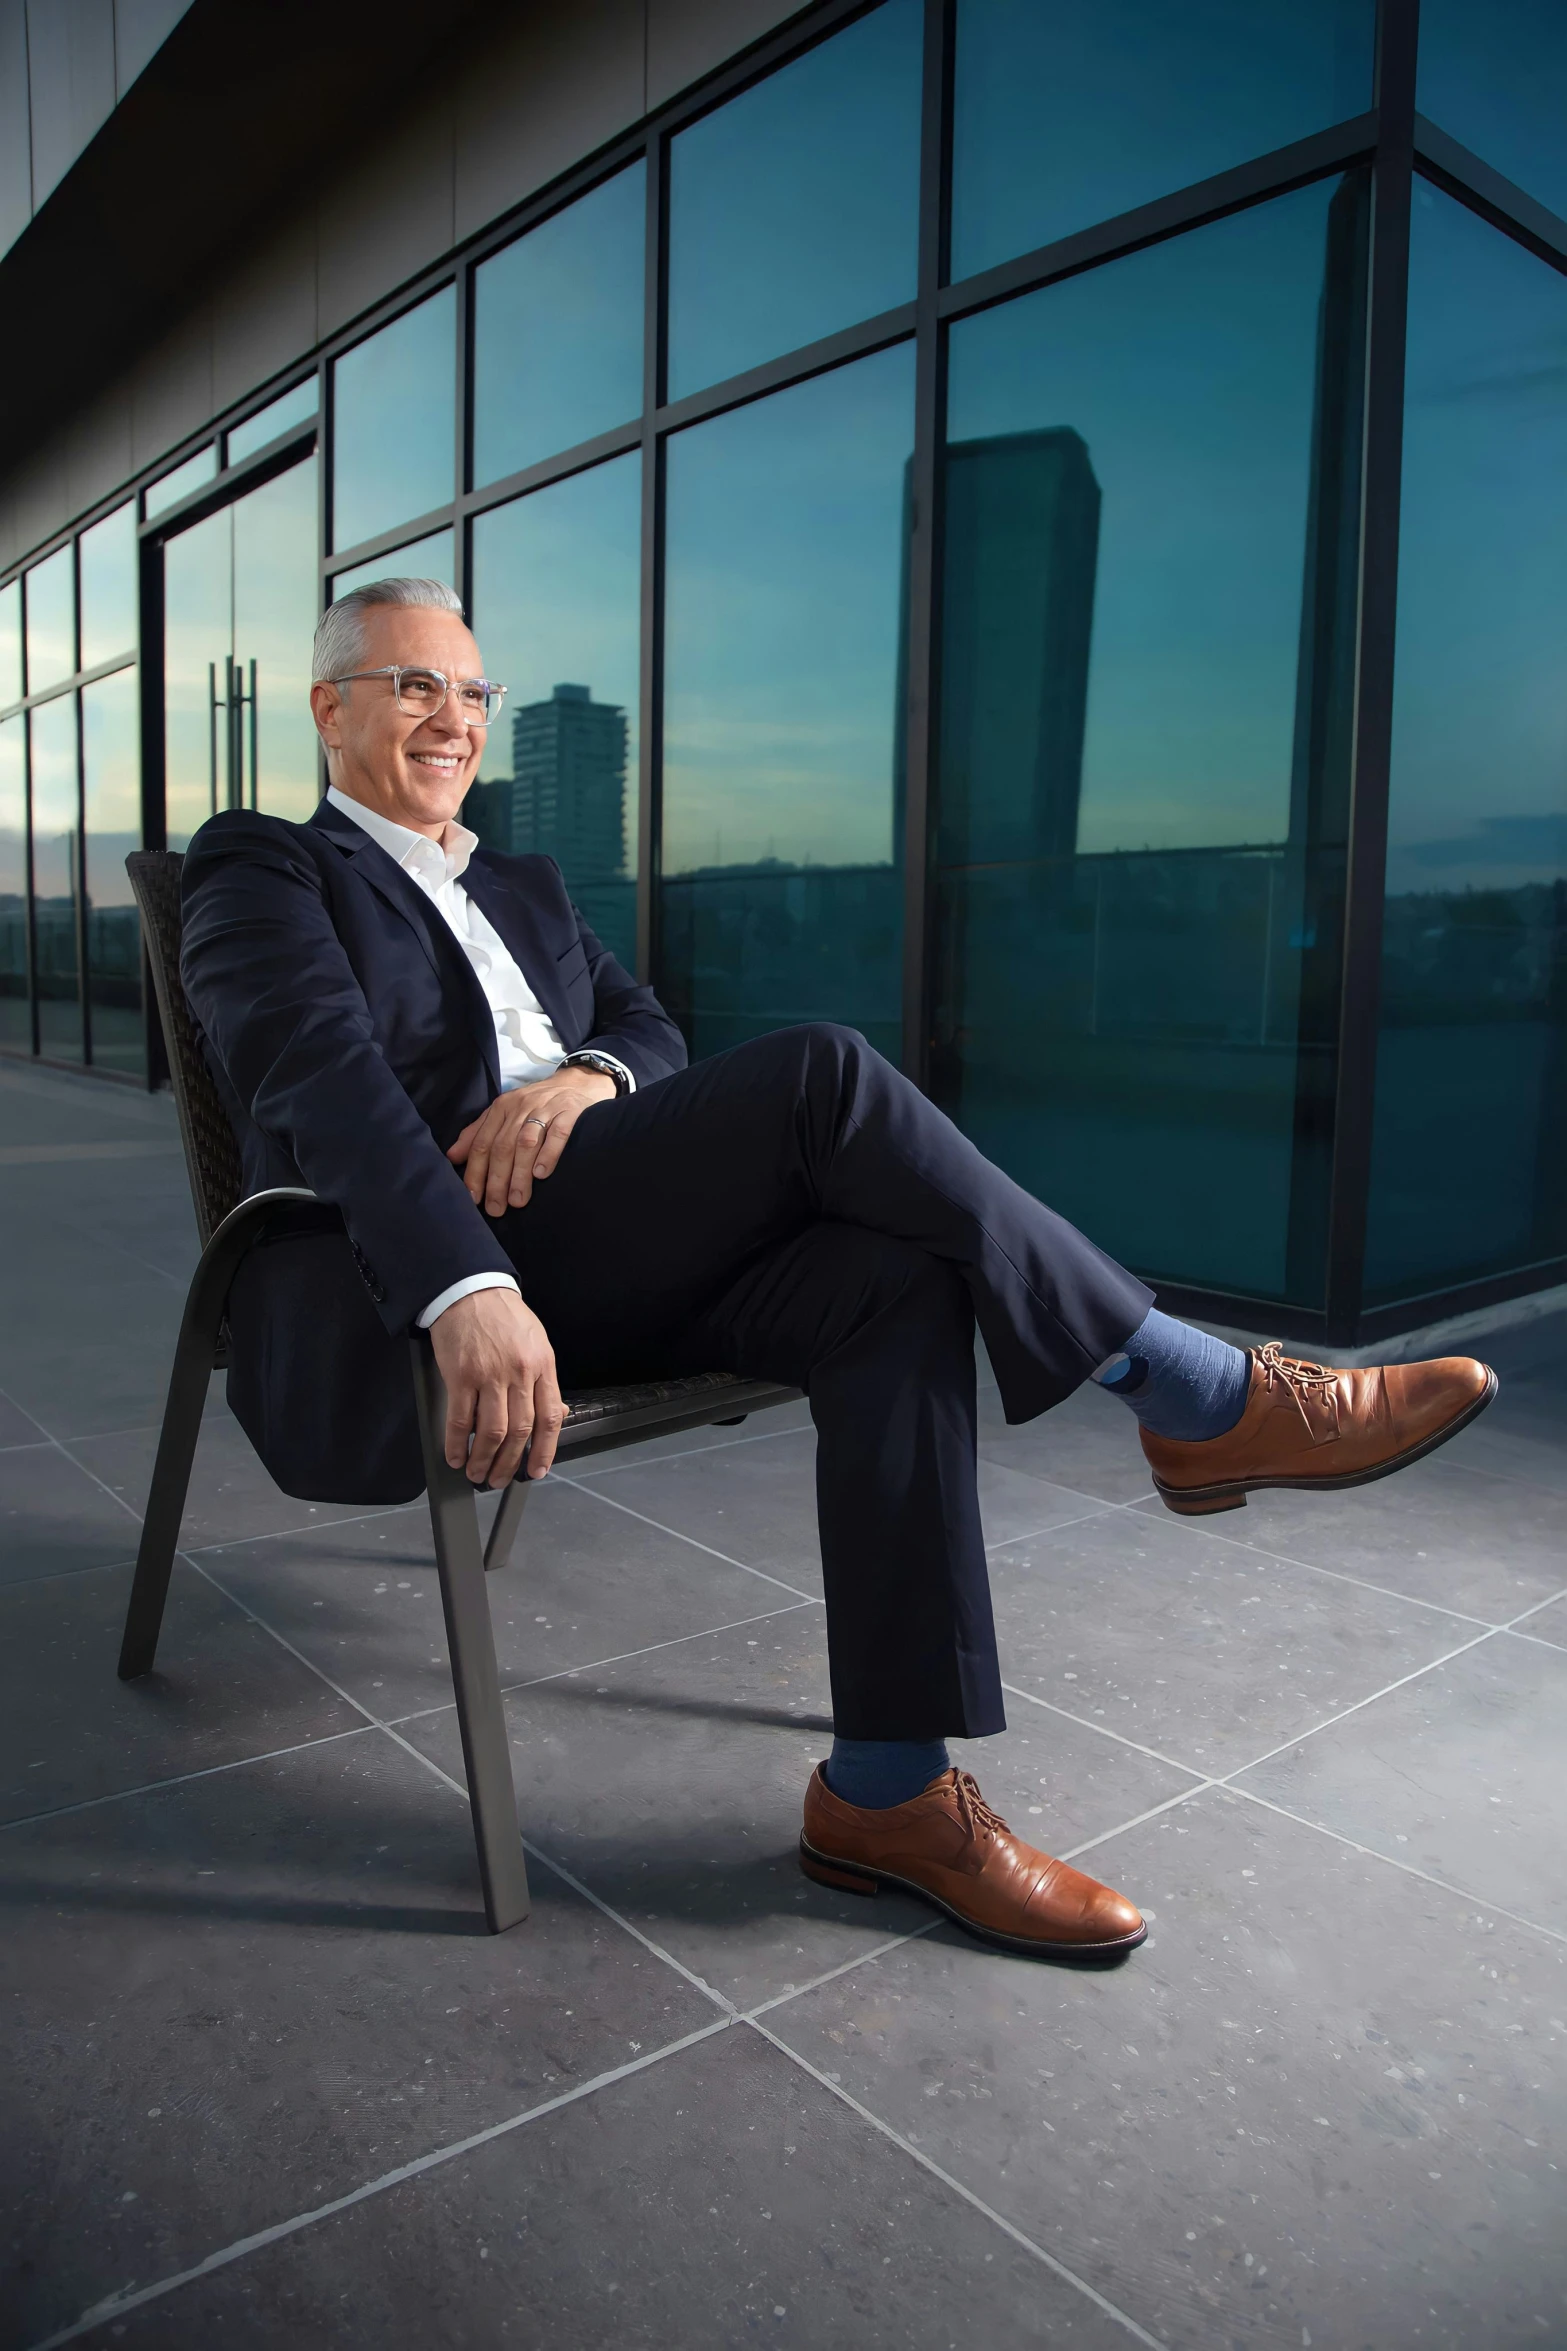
1178, 1381
878, 1773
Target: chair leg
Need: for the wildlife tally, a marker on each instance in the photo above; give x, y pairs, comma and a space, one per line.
194, 1355
454, 1521
508, 1518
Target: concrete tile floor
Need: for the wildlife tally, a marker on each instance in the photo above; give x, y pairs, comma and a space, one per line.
270, 2083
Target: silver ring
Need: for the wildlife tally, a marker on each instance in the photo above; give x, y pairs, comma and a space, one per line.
533, 1120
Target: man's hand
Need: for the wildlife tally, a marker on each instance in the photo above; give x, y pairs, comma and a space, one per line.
499, 1369
521, 1136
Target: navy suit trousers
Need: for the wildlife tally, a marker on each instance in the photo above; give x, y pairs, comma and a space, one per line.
796, 1210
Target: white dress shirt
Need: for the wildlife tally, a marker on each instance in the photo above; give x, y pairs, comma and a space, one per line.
527, 1043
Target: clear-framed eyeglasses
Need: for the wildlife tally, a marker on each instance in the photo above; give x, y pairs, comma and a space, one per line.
420, 693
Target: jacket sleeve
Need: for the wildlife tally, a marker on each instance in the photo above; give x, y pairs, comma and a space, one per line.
628, 1019
277, 999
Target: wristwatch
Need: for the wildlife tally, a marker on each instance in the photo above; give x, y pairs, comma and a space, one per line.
603, 1064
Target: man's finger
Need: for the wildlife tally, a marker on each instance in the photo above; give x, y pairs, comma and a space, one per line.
459, 1421
548, 1415
488, 1434
530, 1139
554, 1142
519, 1415
457, 1152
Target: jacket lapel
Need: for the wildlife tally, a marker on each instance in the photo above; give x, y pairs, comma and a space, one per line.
402, 893
516, 919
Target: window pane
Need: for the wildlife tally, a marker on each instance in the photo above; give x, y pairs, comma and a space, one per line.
198, 638
782, 898
433, 558
16, 1028
56, 868
275, 591
394, 423
1133, 793
1471, 1129
182, 481
51, 622
111, 771
556, 603
558, 330
794, 210
11, 644
1496, 78
290, 408
108, 559
1069, 115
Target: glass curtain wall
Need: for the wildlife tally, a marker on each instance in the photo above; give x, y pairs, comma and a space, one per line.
111, 809
1470, 1166
16, 1016
1097, 517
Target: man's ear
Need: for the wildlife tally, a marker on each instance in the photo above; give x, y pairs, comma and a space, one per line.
325, 702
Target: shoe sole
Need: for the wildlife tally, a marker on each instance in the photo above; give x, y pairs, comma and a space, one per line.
1199, 1501
851, 1877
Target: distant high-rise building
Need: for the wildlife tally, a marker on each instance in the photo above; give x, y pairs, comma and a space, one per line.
568, 784
1022, 533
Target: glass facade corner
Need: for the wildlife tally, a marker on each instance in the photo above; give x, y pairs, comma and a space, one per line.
941, 594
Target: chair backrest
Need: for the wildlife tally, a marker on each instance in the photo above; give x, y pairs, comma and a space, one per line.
212, 1160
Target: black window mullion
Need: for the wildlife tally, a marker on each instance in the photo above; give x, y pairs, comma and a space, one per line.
922, 617
1382, 462
650, 727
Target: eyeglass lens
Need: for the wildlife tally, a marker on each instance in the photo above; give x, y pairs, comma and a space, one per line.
421, 692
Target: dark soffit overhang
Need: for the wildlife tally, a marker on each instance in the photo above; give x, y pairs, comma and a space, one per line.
237, 117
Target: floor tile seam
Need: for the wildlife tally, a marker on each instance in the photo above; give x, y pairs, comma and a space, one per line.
118, 2305
622, 1657
954, 2185
845, 1967
1536, 1640
310, 1526
1085, 1722
438, 1771
1411, 1869
183, 1779
1123, 1828
1524, 1614
695, 1541
62, 1575
1056, 1526
1372, 1698
45, 1436
1337, 1575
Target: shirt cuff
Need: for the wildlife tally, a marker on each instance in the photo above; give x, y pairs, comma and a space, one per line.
466, 1289
615, 1062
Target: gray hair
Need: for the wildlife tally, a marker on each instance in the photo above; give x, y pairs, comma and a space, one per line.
340, 632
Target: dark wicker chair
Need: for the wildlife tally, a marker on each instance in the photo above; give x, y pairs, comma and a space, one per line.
230, 1225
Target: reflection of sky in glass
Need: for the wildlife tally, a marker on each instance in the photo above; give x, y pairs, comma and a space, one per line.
784, 540
394, 422
1493, 73
108, 561
182, 481
51, 622
111, 774
1066, 116
1188, 370
11, 643
558, 330
1480, 710
242, 583
15, 1019
55, 822
290, 408
794, 209
556, 599
423, 559
274, 622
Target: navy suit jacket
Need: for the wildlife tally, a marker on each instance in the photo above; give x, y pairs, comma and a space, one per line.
352, 1042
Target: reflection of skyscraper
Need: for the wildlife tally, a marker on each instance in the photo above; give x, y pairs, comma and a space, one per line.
567, 791
1022, 551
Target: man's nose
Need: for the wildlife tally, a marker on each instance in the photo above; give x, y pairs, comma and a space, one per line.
448, 720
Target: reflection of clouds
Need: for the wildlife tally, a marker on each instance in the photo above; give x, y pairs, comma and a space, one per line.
1499, 853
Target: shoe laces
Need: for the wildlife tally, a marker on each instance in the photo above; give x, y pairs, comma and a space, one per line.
978, 1816
1299, 1380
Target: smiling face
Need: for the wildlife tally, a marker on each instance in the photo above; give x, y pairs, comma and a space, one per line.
414, 770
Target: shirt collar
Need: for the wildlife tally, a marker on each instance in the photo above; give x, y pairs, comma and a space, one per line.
415, 851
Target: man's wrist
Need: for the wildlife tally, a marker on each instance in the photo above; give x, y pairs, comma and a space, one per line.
467, 1288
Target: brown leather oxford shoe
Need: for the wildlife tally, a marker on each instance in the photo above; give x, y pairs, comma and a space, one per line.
1309, 1427
948, 1846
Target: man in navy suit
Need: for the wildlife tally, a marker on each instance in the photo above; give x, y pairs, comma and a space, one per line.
427, 1034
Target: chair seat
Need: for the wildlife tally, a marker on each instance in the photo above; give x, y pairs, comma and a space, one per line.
610, 1403
599, 1419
